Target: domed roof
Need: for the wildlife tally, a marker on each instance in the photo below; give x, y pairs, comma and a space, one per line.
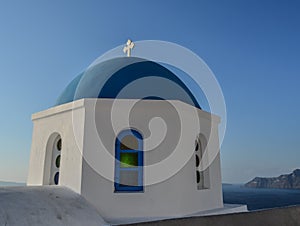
128, 78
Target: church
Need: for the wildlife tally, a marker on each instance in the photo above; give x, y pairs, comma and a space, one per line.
131, 138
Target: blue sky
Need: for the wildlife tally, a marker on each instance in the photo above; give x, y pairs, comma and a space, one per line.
252, 47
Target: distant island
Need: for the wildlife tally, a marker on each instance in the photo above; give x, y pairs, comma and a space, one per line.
286, 181
226, 184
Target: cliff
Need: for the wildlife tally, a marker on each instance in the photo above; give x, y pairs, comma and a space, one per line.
287, 181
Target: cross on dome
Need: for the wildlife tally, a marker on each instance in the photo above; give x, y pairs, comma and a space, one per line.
129, 46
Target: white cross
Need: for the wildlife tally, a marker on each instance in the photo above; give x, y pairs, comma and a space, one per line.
129, 46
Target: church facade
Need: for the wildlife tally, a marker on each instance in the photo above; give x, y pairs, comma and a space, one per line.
104, 146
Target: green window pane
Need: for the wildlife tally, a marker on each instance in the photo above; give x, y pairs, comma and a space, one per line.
129, 160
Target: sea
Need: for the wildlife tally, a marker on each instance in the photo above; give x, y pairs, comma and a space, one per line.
260, 198
11, 184
254, 198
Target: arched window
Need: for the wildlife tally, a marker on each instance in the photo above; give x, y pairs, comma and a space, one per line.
202, 176
129, 161
52, 160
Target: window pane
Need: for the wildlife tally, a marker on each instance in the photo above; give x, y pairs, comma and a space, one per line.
58, 145
129, 159
56, 178
197, 160
129, 142
198, 177
197, 146
128, 178
57, 161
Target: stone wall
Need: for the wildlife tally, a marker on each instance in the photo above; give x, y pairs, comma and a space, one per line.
289, 216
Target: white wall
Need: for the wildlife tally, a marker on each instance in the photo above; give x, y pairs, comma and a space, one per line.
57, 120
176, 196
88, 147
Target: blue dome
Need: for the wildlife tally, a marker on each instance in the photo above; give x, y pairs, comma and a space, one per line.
108, 79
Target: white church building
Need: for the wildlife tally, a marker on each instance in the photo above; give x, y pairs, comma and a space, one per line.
135, 155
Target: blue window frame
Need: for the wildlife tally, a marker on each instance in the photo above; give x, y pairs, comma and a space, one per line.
129, 162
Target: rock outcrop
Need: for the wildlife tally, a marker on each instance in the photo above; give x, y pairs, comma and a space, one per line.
286, 181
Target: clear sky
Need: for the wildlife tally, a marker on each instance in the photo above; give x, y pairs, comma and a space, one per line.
253, 48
